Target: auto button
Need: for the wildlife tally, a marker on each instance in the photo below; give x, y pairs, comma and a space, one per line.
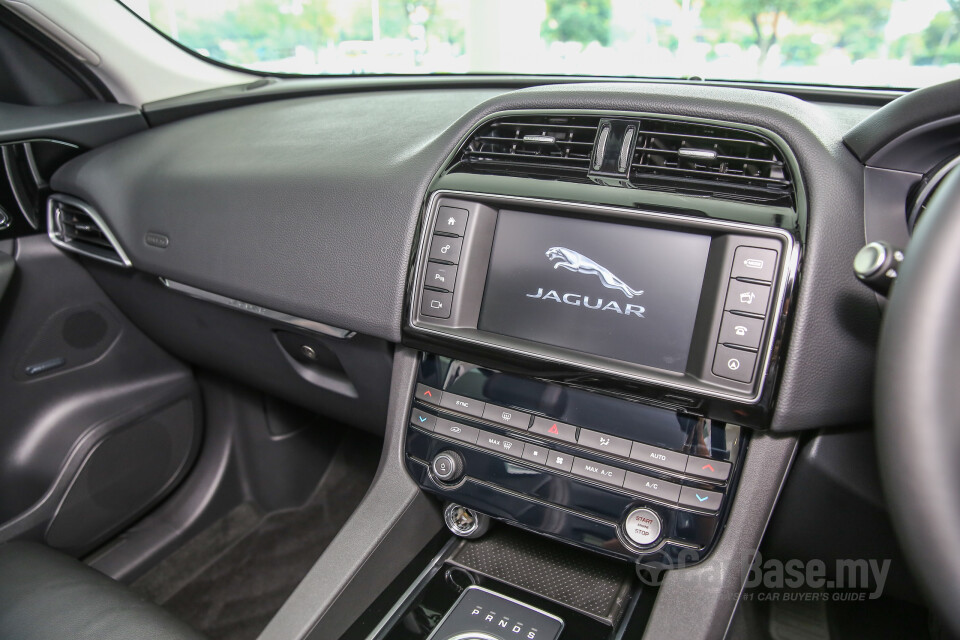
656, 456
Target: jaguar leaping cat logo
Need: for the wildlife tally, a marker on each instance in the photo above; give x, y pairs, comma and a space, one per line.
573, 261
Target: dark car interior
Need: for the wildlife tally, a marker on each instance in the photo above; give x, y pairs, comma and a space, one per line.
487, 357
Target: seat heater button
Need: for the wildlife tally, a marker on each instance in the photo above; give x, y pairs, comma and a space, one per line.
462, 404
554, 429
603, 442
456, 430
642, 527
700, 499
598, 471
658, 457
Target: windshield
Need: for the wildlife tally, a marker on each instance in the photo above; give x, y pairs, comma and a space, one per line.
875, 43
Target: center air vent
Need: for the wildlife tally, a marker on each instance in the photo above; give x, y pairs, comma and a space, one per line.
532, 146
680, 156
75, 226
703, 159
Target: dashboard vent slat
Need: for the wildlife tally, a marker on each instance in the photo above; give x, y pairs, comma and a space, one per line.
699, 158
75, 226
559, 147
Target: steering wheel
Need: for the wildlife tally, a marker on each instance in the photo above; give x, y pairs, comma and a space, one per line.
917, 401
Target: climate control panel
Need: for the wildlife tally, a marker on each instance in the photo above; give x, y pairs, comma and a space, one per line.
626, 479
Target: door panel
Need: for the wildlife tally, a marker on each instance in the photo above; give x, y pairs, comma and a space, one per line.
98, 423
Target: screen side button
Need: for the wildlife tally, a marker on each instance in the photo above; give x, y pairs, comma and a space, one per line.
428, 394
754, 263
435, 304
456, 431
508, 417
734, 364
700, 499
741, 331
441, 276
554, 429
452, 220
707, 468
445, 249
658, 457
422, 419
462, 404
747, 297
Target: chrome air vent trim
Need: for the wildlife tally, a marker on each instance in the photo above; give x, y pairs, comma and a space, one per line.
112, 253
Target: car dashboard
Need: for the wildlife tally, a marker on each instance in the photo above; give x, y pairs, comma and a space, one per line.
597, 312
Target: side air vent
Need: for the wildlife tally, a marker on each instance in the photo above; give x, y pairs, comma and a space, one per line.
703, 159
73, 225
559, 147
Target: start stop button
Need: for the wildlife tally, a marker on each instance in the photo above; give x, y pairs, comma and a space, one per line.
642, 527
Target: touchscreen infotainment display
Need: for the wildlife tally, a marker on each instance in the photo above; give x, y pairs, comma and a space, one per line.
626, 292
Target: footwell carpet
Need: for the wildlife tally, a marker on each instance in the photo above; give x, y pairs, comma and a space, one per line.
232, 578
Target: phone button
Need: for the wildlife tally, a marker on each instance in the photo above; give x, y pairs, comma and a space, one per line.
741, 331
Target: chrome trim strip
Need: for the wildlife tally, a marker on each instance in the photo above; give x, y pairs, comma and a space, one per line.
257, 310
791, 262
5, 219
53, 229
433, 634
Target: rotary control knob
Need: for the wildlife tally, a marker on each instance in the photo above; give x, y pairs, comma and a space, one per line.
447, 466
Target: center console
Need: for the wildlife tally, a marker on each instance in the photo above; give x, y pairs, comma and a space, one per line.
588, 374
618, 477
587, 370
